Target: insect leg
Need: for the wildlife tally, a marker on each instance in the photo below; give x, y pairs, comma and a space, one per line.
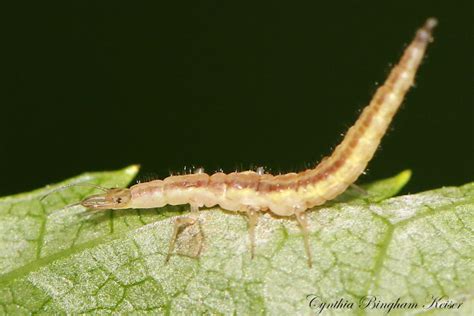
253, 220
179, 224
302, 219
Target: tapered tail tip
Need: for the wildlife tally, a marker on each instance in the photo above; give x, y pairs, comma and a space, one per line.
430, 24
424, 34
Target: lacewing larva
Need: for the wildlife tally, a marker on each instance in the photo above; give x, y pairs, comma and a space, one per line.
287, 194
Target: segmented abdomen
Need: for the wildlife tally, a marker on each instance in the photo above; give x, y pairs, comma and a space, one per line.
350, 158
285, 194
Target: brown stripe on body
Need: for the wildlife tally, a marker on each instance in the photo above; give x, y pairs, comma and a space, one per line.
217, 181
358, 145
242, 180
217, 184
270, 183
395, 84
329, 166
198, 180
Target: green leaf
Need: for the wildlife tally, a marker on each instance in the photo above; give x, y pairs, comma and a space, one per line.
58, 259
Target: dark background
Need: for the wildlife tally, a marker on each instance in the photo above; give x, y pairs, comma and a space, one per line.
93, 85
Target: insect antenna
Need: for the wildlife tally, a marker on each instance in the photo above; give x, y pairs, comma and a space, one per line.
73, 185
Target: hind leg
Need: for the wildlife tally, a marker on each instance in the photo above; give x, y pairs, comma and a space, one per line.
253, 220
302, 219
180, 224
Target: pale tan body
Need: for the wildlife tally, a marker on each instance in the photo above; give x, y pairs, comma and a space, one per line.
288, 194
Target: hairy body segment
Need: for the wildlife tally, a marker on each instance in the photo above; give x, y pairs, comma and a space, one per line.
289, 194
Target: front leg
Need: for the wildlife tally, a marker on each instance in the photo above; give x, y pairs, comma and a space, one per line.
179, 225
